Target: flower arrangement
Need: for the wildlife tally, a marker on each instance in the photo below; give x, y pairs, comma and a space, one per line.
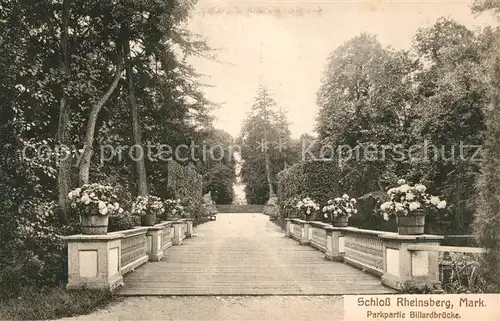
406, 199
340, 206
289, 207
308, 206
147, 205
174, 207
95, 199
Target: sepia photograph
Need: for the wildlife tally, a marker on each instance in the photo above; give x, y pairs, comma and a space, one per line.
250, 160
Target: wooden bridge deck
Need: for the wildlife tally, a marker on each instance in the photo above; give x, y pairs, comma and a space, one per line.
245, 254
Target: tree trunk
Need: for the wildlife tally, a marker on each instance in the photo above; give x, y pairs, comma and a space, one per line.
266, 157
91, 123
64, 169
268, 173
142, 187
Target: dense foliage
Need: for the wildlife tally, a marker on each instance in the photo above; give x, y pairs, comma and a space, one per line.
264, 140
80, 83
386, 114
218, 165
487, 218
186, 184
314, 179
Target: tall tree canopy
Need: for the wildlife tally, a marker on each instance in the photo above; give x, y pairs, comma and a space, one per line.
264, 140
487, 219
85, 75
430, 100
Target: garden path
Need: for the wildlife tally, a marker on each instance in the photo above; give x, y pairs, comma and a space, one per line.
246, 254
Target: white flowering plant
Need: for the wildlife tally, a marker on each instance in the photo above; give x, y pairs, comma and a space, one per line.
174, 207
147, 205
307, 206
95, 199
340, 206
407, 199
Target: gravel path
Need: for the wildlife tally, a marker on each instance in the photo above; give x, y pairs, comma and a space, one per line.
222, 308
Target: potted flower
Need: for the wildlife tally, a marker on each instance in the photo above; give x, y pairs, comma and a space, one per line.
173, 209
290, 208
339, 210
307, 206
410, 204
94, 203
148, 207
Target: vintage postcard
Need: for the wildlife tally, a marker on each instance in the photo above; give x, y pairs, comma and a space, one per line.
250, 160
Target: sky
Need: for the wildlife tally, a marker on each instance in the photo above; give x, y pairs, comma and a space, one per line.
287, 52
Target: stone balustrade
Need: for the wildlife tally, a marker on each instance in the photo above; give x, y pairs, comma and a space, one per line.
401, 261
317, 235
101, 261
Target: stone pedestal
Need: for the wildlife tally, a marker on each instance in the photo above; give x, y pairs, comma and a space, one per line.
94, 261
288, 227
334, 244
406, 268
306, 233
178, 237
154, 249
189, 227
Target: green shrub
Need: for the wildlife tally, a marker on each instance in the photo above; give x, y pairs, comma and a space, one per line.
34, 234
52, 303
315, 179
487, 219
465, 274
185, 183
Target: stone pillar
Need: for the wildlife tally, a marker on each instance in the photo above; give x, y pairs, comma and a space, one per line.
334, 244
288, 227
154, 241
405, 267
189, 227
178, 237
94, 261
306, 233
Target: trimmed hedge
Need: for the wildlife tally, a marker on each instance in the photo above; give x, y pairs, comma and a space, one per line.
316, 179
186, 184
325, 180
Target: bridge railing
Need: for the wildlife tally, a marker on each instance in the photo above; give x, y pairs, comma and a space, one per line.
318, 235
101, 261
364, 249
401, 261
133, 249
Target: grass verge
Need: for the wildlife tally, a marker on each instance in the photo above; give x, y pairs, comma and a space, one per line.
52, 303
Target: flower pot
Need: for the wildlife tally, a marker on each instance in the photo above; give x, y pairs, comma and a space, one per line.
148, 220
340, 221
94, 224
412, 224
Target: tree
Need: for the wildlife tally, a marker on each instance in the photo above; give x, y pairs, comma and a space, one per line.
61, 79
263, 139
366, 101
218, 165
452, 95
487, 215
